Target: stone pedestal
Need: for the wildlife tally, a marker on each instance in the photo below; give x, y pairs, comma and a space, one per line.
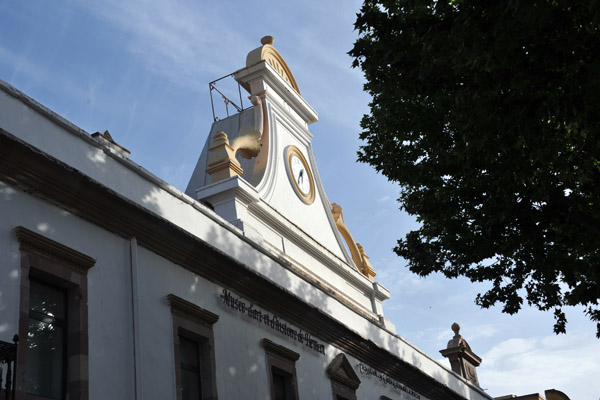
463, 361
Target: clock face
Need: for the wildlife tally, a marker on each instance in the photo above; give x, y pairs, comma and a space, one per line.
300, 175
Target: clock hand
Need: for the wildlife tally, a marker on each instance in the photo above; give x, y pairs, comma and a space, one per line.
300, 176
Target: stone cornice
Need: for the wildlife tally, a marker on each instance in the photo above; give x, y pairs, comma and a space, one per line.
31, 241
264, 212
255, 77
190, 310
278, 350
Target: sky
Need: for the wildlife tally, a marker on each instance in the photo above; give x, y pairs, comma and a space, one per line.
140, 69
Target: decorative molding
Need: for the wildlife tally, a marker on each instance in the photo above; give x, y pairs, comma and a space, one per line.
39, 174
283, 226
248, 141
268, 53
222, 163
263, 78
31, 241
283, 359
358, 253
340, 370
279, 350
325, 203
366, 267
234, 188
190, 310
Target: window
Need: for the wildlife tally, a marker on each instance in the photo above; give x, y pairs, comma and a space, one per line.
52, 355
193, 349
283, 386
344, 380
281, 365
189, 364
46, 341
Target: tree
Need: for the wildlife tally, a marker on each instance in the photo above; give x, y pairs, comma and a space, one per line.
487, 114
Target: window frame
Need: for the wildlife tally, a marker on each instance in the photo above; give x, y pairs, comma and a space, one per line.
344, 381
196, 324
284, 360
62, 323
52, 264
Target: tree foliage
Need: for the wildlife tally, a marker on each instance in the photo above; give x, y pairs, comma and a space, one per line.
487, 113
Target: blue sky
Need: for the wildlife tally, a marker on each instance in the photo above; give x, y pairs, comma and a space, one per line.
140, 69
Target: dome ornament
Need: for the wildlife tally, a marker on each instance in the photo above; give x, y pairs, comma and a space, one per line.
269, 54
267, 40
456, 328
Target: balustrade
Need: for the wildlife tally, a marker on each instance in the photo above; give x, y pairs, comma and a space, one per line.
8, 357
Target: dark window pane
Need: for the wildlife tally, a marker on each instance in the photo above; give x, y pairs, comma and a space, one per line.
189, 359
189, 352
47, 300
190, 385
45, 359
279, 383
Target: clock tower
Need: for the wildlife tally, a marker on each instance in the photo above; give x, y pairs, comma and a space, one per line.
258, 172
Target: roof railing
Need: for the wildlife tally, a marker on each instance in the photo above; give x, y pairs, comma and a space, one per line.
213, 88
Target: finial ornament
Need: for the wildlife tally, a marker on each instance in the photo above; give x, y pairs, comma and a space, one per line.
456, 329
267, 40
268, 53
462, 359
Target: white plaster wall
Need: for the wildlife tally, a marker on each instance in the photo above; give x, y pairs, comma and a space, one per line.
311, 218
240, 365
240, 358
10, 267
109, 301
110, 320
230, 126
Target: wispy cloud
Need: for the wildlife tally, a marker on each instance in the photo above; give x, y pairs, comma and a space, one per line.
36, 75
400, 280
184, 42
174, 39
482, 331
384, 199
529, 365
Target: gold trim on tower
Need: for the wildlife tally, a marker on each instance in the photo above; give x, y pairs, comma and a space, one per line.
360, 258
269, 54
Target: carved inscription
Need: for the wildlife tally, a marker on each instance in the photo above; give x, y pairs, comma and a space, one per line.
386, 380
270, 321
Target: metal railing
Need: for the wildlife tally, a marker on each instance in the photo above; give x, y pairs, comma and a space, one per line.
8, 356
213, 88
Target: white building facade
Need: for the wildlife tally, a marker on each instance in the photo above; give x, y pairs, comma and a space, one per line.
246, 286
